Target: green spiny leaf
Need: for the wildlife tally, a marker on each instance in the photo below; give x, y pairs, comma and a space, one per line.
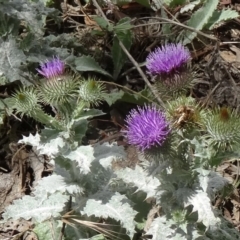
50, 230
31, 12
123, 26
113, 96
88, 64
199, 19
8, 25
220, 16
140, 98
88, 113
11, 59
104, 24
78, 129
26, 43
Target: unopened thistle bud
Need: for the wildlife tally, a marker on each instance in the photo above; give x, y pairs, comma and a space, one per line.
222, 127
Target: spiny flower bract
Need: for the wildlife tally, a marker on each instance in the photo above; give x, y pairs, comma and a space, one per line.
222, 125
52, 68
168, 59
146, 127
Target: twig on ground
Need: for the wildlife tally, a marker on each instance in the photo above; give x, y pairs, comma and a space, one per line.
181, 25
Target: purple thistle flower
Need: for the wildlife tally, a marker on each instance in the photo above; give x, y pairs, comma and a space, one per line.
171, 58
146, 127
52, 68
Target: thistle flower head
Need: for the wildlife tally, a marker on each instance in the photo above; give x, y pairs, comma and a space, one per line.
168, 59
52, 68
146, 127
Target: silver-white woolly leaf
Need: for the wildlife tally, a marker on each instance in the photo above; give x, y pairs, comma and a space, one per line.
193, 232
106, 153
116, 208
57, 183
211, 182
86, 114
37, 208
202, 204
161, 229
11, 57
33, 140
164, 229
223, 231
179, 236
140, 179
183, 194
50, 148
70, 171
83, 155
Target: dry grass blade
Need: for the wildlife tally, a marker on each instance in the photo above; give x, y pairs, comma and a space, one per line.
102, 228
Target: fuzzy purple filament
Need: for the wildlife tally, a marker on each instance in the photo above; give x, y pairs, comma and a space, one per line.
52, 68
146, 127
168, 59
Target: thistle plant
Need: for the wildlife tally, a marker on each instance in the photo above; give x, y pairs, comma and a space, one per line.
177, 148
66, 94
181, 174
197, 139
169, 66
